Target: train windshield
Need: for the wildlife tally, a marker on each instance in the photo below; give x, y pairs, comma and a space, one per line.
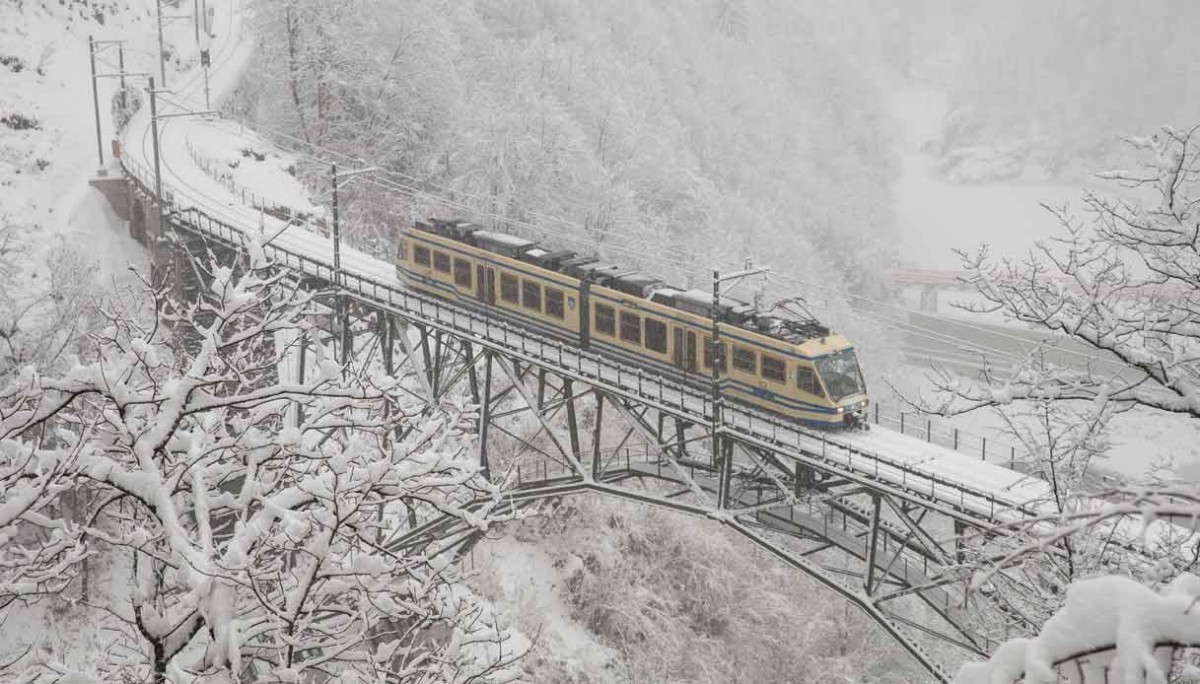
841, 375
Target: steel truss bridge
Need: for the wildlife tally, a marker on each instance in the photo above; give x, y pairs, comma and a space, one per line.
890, 522
890, 532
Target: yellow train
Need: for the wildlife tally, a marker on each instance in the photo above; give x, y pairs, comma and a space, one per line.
795, 369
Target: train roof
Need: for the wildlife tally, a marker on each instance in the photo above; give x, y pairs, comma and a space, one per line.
629, 281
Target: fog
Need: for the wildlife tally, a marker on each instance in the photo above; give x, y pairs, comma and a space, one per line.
1005, 106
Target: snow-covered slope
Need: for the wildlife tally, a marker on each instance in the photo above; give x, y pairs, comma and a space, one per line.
612, 591
47, 128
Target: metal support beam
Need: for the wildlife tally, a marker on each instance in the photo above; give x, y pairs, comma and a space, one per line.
96, 100
572, 458
596, 432
872, 544
572, 424
485, 414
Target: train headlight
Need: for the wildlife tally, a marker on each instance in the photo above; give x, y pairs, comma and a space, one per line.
841, 409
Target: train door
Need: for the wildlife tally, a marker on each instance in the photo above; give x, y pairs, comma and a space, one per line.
684, 354
689, 355
485, 284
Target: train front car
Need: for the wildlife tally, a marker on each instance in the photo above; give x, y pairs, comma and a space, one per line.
844, 385
807, 372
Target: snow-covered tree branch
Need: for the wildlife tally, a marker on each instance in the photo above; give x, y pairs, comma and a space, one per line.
255, 517
1126, 284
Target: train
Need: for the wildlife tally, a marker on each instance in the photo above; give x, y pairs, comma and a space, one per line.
797, 369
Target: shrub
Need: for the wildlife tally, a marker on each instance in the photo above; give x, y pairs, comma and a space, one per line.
15, 64
20, 122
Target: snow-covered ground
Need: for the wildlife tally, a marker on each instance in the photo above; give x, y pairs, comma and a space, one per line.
524, 582
48, 157
936, 215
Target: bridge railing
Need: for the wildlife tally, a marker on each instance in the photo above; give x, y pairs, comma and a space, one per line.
924, 426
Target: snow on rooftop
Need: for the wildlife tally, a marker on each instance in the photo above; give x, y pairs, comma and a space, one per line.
503, 239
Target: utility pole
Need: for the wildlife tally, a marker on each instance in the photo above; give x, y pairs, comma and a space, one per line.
338, 308
715, 356
205, 62
96, 100
721, 456
121, 66
162, 57
196, 16
158, 198
343, 320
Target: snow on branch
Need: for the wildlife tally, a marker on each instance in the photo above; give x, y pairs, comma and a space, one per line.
1101, 614
1124, 281
256, 512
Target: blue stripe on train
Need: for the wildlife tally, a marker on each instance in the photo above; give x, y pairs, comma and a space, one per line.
702, 379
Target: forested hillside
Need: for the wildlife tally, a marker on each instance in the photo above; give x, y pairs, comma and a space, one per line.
685, 131
1049, 88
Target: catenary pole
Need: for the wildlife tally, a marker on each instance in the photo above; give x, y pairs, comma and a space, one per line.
162, 55
158, 198
96, 99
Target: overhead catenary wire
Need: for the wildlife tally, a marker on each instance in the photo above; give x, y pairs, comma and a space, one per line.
407, 185
677, 258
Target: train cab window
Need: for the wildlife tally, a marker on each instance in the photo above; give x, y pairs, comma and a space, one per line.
606, 320
631, 327
806, 380
402, 250
745, 360
656, 335
773, 368
421, 256
554, 303
441, 262
510, 288
462, 272
531, 295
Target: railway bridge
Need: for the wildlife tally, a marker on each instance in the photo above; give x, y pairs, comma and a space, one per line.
891, 522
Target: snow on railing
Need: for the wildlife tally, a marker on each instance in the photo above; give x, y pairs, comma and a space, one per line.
924, 426
212, 168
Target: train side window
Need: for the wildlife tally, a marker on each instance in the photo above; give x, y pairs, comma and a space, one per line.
773, 368
631, 327
806, 380
402, 250
441, 262
656, 335
531, 295
554, 303
462, 272
745, 360
510, 288
606, 319
706, 345
421, 256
